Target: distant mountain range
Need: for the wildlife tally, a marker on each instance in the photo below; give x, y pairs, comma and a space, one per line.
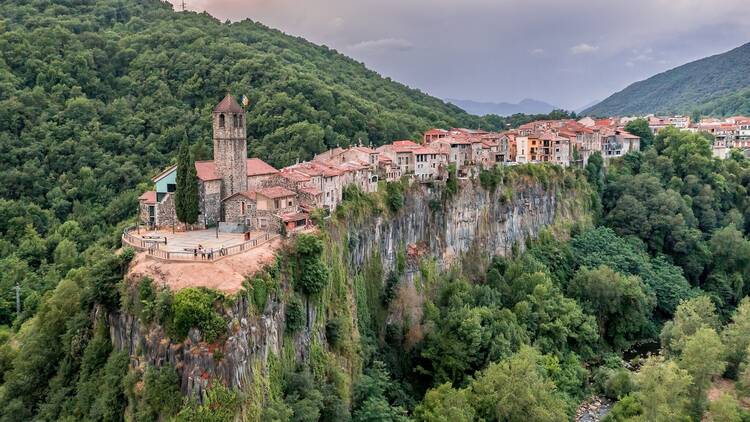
526, 106
717, 85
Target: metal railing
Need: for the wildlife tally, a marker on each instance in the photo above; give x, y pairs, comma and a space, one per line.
152, 248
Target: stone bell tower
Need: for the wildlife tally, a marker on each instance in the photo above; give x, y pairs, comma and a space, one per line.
230, 146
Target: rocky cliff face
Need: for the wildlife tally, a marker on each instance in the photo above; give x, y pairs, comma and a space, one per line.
472, 219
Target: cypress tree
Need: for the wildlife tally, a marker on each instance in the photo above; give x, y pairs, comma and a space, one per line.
191, 210
186, 195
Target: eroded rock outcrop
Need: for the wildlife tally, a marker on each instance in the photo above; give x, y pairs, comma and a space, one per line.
472, 220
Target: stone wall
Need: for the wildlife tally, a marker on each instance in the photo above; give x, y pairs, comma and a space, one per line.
262, 181
233, 210
210, 201
165, 212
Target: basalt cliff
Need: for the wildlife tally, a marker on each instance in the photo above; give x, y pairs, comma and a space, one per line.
432, 231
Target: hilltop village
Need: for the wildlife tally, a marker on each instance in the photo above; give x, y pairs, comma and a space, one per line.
240, 194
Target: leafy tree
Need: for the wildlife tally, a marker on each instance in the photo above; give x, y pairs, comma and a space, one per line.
161, 396
703, 358
464, 336
620, 303
627, 408
371, 398
445, 404
691, 316
312, 274
186, 196
515, 389
736, 337
194, 308
556, 324
730, 264
639, 127
724, 408
663, 391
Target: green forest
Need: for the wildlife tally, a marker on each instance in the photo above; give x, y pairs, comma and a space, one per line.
96, 97
712, 86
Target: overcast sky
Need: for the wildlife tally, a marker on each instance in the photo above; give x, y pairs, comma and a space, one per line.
566, 52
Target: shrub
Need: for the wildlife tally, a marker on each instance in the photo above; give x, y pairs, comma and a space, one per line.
334, 332
146, 300
193, 308
451, 185
618, 384
490, 179
295, 315
312, 274
128, 253
161, 394
390, 288
394, 195
259, 292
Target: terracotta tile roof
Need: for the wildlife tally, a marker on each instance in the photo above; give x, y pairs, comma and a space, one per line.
470, 131
406, 143
228, 105
294, 176
384, 159
295, 216
309, 169
628, 135
206, 170
275, 192
148, 197
311, 190
258, 167
425, 150
365, 149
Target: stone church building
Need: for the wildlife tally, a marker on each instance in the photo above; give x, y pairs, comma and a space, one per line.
230, 175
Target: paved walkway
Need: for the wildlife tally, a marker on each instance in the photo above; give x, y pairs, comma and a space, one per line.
179, 241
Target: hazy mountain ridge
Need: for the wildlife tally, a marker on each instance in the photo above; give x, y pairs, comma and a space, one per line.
525, 106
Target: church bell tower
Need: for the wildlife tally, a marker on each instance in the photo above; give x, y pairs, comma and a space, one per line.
230, 146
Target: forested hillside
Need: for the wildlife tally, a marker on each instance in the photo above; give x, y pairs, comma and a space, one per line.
708, 86
95, 96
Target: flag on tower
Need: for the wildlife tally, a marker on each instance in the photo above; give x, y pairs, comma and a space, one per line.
245, 101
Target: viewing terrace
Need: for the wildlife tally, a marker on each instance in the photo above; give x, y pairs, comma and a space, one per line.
195, 245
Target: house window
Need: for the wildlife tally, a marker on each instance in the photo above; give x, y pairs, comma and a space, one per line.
242, 208
221, 121
289, 204
276, 204
171, 187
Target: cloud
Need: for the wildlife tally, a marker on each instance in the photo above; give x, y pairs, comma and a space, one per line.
583, 48
537, 52
381, 45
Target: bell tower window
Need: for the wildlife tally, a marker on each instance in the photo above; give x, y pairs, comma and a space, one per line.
236, 120
221, 121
